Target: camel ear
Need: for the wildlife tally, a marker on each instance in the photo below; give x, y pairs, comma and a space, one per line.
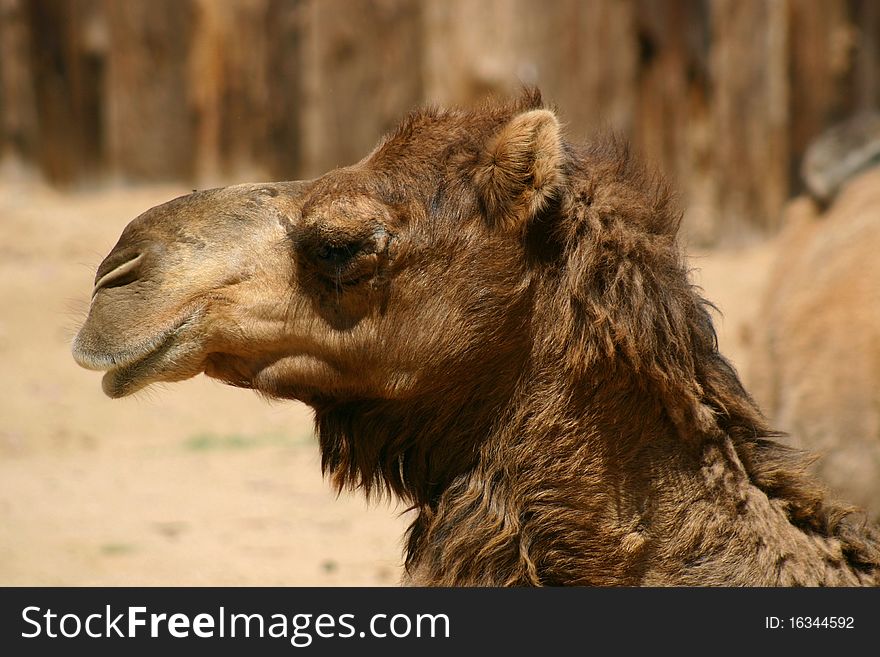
520, 168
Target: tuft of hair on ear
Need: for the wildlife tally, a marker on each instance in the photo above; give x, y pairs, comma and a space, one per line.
521, 168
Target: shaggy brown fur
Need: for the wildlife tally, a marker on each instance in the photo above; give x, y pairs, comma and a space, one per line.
497, 326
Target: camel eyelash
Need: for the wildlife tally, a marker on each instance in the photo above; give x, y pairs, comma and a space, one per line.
336, 253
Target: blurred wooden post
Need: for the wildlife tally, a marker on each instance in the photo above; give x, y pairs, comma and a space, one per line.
18, 111
245, 72
750, 114
149, 119
583, 56
673, 121
470, 51
865, 17
479, 49
823, 42
67, 67
363, 72
285, 30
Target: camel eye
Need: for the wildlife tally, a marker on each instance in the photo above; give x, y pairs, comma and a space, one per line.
339, 255
335, 254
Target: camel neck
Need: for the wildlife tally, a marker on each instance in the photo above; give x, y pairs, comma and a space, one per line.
413, 449
611, 494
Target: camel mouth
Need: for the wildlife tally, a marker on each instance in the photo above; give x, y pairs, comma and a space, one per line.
164, 357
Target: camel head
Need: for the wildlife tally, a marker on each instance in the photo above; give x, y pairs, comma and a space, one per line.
402, 276
497, 327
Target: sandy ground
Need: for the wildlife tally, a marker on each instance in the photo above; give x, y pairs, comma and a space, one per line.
190, 484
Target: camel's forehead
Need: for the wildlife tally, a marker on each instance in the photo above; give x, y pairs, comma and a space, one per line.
355, 192
352, 203
410, 160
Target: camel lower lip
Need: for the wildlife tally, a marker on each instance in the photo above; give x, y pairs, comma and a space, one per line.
131, 369
120, 377
130, 377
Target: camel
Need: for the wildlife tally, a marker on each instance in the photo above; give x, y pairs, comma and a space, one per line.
815, 362
496, 326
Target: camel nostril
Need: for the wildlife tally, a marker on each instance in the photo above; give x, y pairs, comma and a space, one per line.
119, 275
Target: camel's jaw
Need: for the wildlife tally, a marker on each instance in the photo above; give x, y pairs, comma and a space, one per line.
172, 354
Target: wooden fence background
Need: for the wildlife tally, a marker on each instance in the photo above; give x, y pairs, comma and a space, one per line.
722, 95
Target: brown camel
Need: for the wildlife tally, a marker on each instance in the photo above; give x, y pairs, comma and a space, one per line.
496, 326
816, 357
